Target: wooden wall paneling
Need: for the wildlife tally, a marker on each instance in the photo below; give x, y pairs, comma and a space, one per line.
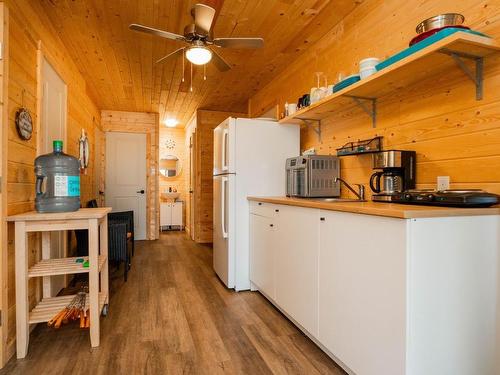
205, 124
453, 134
30, 35
146, 123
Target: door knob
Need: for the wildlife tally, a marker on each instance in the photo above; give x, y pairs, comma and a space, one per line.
140, 191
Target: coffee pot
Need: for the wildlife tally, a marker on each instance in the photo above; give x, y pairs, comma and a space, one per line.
389, 182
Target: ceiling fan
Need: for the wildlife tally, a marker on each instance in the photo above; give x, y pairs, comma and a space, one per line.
198, 36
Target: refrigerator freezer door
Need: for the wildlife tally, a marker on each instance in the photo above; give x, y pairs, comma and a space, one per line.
221, 148
223, 258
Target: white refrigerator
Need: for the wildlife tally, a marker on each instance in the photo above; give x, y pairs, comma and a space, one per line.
249, 159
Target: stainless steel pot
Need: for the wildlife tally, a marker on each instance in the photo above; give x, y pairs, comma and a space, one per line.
441, 20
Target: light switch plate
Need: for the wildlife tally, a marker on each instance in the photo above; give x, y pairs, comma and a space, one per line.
443, 183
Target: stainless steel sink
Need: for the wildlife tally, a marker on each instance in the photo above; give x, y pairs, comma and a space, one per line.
334, 200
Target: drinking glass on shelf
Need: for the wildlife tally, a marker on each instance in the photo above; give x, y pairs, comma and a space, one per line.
340, 77
317, 93
325, 86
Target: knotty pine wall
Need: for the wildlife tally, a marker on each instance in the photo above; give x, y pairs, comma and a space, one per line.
179, 182
27, 28
454, 135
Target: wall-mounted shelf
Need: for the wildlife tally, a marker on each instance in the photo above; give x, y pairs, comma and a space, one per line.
446, 54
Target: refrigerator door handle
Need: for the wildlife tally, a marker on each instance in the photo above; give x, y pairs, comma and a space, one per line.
223, 206
225, 145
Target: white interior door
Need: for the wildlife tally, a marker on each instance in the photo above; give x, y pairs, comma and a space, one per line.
126, 177
53, 127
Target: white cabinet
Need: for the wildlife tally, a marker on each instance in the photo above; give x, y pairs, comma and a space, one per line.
297, 265
362, 296
262, 256
383, 295
171, 214
283, 259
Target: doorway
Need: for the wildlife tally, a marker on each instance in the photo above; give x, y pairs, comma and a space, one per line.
126, 177
53, 114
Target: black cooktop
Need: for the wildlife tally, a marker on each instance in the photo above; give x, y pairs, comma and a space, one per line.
449, 198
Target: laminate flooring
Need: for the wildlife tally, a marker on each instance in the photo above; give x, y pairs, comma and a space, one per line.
174, 316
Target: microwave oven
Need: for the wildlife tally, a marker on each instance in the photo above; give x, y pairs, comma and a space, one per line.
312, 176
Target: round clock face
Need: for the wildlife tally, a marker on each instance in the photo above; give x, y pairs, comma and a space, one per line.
170, 144
24, 124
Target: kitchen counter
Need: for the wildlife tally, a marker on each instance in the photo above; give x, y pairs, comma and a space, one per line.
402, 211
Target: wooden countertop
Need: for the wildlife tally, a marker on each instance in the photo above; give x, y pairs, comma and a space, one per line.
402, 211
82, 214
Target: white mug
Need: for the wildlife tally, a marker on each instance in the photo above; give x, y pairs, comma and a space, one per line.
292, 108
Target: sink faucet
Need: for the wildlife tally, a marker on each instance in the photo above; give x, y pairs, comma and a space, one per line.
360, 194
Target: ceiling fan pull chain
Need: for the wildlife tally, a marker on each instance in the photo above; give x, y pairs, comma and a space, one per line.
191, 82
205, 72
183, 65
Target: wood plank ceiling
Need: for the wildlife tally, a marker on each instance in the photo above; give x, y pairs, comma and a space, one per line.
118, 64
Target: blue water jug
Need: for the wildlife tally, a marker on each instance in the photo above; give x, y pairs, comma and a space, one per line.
57, 181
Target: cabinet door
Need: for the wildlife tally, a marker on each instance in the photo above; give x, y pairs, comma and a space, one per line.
165, 214
297, 265
177, 213
262, 254
362, 270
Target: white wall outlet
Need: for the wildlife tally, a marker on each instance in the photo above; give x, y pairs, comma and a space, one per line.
443, 183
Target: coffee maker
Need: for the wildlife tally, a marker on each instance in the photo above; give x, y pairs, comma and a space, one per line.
397, 174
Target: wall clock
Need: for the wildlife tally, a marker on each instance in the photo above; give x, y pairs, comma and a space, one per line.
170, 144
24, 124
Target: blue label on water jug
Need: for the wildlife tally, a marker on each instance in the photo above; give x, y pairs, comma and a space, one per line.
66, 186
73, 186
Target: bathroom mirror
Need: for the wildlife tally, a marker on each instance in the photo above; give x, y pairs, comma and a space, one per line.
170, 166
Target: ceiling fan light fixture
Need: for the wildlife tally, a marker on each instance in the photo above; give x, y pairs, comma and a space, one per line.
199, 55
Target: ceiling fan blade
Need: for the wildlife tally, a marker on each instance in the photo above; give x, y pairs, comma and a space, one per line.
157, 32
176, 52
239, 42
219, 62
203, 17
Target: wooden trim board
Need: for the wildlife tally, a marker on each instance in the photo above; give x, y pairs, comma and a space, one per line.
5, 353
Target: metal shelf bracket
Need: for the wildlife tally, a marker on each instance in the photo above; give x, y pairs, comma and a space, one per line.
370, 109
310, 123
477, 76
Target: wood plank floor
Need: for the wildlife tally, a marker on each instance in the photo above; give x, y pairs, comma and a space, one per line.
174, 316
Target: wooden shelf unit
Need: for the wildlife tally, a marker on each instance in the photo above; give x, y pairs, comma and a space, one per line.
62, 266
430, 61
47, 308
95, 221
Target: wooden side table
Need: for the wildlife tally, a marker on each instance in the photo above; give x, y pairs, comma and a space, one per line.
95, 220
